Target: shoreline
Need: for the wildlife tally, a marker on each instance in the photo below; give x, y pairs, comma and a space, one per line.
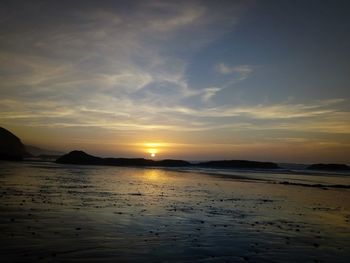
78, 213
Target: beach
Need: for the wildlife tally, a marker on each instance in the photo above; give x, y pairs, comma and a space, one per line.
73, 213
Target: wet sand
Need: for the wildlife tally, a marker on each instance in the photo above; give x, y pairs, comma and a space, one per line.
65, 213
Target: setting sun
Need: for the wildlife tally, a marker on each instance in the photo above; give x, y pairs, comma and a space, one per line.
152, 148
152, 152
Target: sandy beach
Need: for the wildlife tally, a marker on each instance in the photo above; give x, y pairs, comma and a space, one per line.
67, 213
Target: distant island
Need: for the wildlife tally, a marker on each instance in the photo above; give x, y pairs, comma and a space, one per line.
80, 157
329, 167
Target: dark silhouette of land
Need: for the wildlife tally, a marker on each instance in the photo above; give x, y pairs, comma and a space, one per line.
11, 147
80, 157
329, 167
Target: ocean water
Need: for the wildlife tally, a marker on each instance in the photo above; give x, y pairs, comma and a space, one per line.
66, 213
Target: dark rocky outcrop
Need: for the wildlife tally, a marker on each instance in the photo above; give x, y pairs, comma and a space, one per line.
239, 164
173, 163
11, 147
80, 157
329, 167
129, 162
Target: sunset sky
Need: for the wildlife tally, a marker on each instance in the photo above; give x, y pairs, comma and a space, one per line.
258, 80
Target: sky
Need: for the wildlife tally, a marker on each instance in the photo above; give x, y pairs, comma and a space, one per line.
197, 80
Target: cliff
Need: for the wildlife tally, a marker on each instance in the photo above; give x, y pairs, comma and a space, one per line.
11, 147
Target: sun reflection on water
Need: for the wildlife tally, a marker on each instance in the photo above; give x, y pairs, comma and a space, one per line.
153, 174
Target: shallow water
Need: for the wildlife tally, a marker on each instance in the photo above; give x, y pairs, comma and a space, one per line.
65, 213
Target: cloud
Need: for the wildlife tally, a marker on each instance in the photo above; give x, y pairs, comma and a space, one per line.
268, 111
184, 15
125, 114
208, 93
124, 69
242, 71
102, 48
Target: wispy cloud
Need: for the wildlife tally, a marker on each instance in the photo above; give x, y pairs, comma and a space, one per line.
104, 50
126, 114
208, 93
242, 71
124, 69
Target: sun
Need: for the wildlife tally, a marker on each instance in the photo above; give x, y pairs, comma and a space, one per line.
152, 149
152, 152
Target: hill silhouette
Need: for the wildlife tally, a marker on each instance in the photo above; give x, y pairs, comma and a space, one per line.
80, 157
11, 147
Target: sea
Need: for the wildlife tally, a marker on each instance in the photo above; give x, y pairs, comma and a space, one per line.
73, 213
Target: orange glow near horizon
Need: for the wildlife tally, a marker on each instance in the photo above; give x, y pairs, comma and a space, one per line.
153, 148
152, 152
293, 149
167, 80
